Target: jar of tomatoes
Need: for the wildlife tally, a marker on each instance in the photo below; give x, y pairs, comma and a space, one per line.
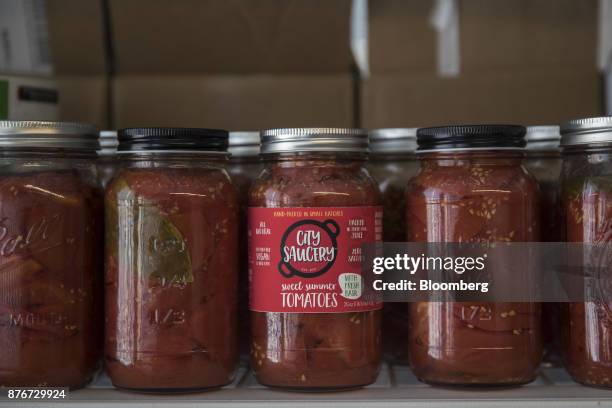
51, 224
107, 155
543, 160
472, 188
171, 264
244, 167
244, 163
313, 326
392, 164
587, 204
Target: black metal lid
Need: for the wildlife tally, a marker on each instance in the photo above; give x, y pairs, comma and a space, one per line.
471, 137
172, 139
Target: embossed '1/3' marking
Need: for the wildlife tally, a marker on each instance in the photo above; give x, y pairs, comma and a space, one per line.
168, 317
476, 313
12, 243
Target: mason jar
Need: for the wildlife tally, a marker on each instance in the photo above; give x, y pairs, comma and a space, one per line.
587, 204
50, 260
310, 211
107, 156
473, 188
171, 262
393, 163
244, 168
543, 160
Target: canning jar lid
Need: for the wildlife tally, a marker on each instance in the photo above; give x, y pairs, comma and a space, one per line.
294, 140
167, 139
471, 137
393, 140
541, 138
244, 143
108, 142
29, 134
587, 132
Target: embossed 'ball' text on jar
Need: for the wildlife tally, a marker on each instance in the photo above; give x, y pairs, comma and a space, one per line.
472, 188
313, 327
51, 226
587, 202
171, 262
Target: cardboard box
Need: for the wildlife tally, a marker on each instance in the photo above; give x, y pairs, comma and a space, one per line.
165, 53
84, 99
233, 102
553, 34
401, 38
228, 37
28, 98
521, 61
80, 55
493, 35
77, 37
525, 97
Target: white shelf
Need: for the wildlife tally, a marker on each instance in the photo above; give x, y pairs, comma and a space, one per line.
396, 387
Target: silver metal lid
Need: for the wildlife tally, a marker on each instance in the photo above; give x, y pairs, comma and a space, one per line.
393, 140
244, 143
543, 138
108, 142
292, 140
48, 135
588, 131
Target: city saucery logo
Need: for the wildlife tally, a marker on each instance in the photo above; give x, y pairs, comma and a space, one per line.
308, 248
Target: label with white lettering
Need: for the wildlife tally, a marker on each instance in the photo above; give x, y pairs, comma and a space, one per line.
308, 259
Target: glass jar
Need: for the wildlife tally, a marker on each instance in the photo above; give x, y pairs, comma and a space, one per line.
311, 209
587, 203
50, 262
244, 167
107, 156
392, 164
543, 160
171, 262
473, 188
